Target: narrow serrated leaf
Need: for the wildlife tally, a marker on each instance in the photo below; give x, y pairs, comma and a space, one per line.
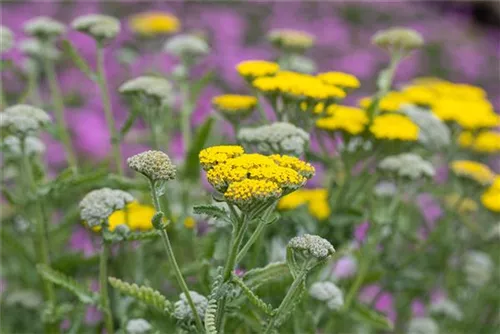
82, 65
212, 211
260, 276
134, 236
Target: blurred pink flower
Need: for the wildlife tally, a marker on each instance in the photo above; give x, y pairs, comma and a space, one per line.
361, 231
345, 267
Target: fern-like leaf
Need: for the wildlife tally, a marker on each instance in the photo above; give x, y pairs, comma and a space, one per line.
144, 294
84, 295
212, 211
134, 236
252, 297
210, 314
272, 272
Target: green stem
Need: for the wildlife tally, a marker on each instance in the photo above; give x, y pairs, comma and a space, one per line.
173, 262
186, 114
58, 104
108, 112
255, 235
103, 284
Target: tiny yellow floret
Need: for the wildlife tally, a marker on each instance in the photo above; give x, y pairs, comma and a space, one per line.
394, 127
215, 155
252, 69
473, 170
339, 79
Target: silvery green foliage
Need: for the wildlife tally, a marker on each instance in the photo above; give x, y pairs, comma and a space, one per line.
329, 293
385, 189
99, 204
156, 88
23, 120
478, 268
32, 146
44, 27
423, 326
407, 165
102, 28
447, 308
494, 232
279, 137
182, 311
33, 48
277, 250
312, 245
186, 46
434, 134
138, 326
300, 63
155, 165
6, 39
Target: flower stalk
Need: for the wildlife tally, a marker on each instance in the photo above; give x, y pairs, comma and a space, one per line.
103, 284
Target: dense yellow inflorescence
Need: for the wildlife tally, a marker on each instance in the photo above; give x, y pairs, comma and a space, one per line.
483, 142
339, 79
469, 115
215, 155
491, 197
234, 107
315, 199
292, 39
252, 69
238, 176
391, 102
394, 127
473, 170
343, 118
154, 23
136, 216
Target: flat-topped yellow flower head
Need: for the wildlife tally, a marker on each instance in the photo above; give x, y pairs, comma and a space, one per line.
391, 102
215, 155
234, 107
483, 142
491, 197
339, 79
154, 23
315, 199
394, 127
419, 95
473, 170
470, 115
344, 118
300, 86
246, 192
251, 69
303, 168
291, 40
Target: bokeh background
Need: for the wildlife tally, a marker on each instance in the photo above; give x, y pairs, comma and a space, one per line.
462, 45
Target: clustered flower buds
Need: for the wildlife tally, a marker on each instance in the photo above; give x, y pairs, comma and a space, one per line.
44, 28
423, 326
299, 63
182, 311
277, 138
447, 308
23, 120
291, 40
433, 134
478, 268
6, 39
98, 205
155, 165
138, 326
32, 146
102, 28
407, 165
398, 39
157, 88
186, 46
329, 293
312, 245
32, 47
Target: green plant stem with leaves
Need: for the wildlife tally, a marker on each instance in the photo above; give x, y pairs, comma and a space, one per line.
58, 104
103, 283
173, 261
108, 112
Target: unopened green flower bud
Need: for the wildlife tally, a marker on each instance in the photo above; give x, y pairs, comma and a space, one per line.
290, 40
32, 146
102, 28
22, 120
6, 39
138, 326
44, 28
35, 49
98, 205
407, 165
433, 134
329, 293
299, 63
423, 326
158, 221
155, 165
182, 311
156, 88
186, 46
398, 39
312, 245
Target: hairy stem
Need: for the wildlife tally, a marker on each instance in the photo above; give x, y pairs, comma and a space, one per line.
103, 284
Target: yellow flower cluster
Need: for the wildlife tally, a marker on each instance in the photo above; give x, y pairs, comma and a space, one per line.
298, 86
315, 199
251, 69
215, 155
471, 115
491, 197
248, 178
483, 142
234, 107
391, 102
291, 39
154, 23
340, 79
343, 118
473, 170
136, 216
462, 205
394, 126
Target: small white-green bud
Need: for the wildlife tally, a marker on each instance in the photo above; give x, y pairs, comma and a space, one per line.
102, 28
433, 134
478, 268
407, 165
312, 245
22, 120
385, 189
33, 48
398, 39
6, 39
44, 28
423, 326
447, 308
299, 63
182, 311
99, 204
153, 87
155, 165
138, 326
329, 293
186, 46
32, 146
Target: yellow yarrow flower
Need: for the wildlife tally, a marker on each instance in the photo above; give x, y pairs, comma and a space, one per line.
234, 107
391, 102
315, 199
473, 170
137, 215
394, 127
469, 115
154, 23
304, 86
340, 79
189, 223
419, 95
343, 118
252, 69
246, 192
483, 142
290, 39
491, 197
303, 168
215, 155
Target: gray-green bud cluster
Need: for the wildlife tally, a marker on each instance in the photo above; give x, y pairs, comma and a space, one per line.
478, 268
398, 39
182, 311
447, 308
276, 138
407, 165
299, 63
98, 205
102, 28
312, 245
32, 146
329, 293
186, 46
423, 326
433, 134
6, 39
138, 326
156, 88
33, 48
44, 28
22, 120
155, 165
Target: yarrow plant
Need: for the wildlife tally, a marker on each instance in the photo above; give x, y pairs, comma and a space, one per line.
317, 213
